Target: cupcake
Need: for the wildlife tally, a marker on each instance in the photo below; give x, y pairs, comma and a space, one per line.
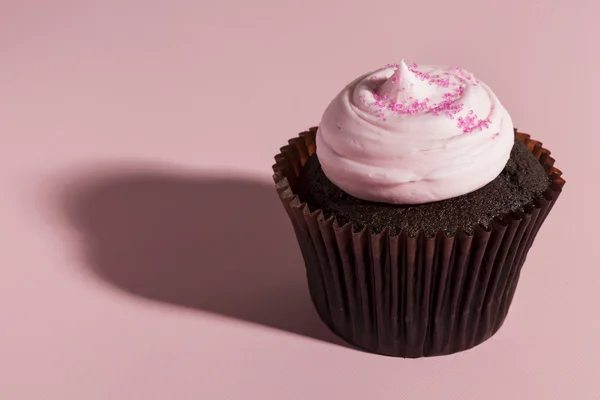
415, 202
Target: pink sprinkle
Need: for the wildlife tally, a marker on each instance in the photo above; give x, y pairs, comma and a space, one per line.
471, 122
448, 107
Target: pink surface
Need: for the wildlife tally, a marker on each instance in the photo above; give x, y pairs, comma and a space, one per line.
131, 130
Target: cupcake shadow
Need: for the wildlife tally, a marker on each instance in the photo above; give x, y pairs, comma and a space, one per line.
219, 245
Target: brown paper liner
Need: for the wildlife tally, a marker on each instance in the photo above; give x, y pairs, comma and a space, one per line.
411, 296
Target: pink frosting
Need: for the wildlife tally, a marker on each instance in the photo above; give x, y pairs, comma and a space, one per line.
412, 135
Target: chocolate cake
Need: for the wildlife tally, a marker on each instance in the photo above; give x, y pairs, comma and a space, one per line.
522, 180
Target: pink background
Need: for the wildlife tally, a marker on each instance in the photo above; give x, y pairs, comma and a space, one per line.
129, 132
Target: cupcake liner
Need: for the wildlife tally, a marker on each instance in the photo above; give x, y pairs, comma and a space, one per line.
411, 296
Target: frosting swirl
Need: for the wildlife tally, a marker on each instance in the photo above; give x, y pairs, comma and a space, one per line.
412, 135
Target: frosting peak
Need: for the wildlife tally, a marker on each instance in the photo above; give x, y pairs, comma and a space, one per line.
403, 84
410, 135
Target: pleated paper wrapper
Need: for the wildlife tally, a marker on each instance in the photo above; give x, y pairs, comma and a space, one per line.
411, 296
